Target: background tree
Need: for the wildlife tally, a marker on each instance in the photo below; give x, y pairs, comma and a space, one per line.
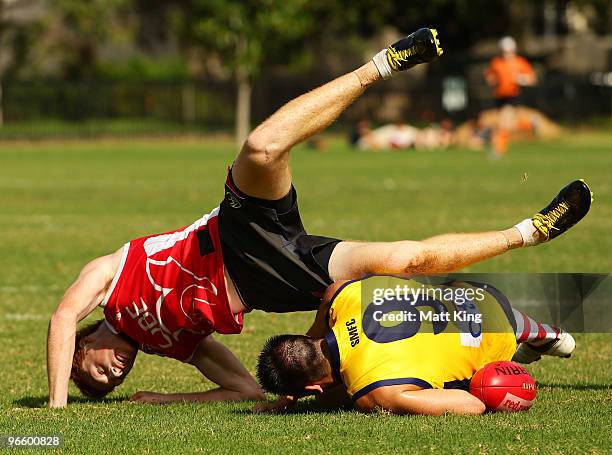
246, 35
83, 28
16, 35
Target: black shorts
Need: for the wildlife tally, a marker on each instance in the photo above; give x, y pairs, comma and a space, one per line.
275, 265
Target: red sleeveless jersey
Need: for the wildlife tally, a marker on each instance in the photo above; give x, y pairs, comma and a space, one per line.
169, 291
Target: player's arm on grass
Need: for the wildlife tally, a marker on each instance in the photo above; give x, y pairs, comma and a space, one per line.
334, 397
409, 399
221, 366
81, 298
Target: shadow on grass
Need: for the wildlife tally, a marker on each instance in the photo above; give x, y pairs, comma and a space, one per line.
307, 407
41, 401
553, 385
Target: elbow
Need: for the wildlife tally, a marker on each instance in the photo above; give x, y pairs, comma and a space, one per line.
373, 402
259, 396
62, 316
247, 389
475, 408
254, 394
63, 322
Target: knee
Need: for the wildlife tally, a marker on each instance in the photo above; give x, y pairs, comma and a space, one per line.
261, 149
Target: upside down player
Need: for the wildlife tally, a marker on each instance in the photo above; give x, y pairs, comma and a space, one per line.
166, 294
406, 366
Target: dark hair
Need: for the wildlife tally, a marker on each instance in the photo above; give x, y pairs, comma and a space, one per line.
76, 372
287, 363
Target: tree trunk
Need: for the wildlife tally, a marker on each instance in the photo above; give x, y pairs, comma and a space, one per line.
550, 19
243, 107
188, 95
1, 110
1, 69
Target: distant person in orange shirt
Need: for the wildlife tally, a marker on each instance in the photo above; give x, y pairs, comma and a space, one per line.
507, 73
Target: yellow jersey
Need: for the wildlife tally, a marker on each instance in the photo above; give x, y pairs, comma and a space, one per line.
386, 330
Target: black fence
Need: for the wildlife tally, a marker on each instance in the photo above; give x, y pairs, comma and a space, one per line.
57, 107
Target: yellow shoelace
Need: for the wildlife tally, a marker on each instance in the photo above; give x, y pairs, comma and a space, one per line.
551, 217
396, 57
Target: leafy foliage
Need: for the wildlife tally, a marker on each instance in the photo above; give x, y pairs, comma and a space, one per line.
249, 34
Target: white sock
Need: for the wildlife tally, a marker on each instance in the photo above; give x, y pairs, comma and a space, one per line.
531, 236
380, 60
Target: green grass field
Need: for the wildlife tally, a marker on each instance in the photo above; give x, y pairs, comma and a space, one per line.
62, 204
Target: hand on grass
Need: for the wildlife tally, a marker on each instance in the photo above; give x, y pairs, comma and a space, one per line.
150, 397
280, 405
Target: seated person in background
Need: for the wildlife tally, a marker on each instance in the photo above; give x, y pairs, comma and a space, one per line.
403, 136
361, 129
436, 136
390, 136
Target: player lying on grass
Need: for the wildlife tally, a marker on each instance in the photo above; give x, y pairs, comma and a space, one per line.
387, 355
167, 293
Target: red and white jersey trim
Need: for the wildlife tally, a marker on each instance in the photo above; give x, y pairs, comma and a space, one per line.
164, 241
126, 249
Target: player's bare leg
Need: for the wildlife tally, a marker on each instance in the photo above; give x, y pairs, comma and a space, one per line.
449, 252
262, 166
439, 254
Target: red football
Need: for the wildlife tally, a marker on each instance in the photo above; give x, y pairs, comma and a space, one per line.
504, 386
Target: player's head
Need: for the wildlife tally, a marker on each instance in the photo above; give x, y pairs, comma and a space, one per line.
507, 45
102, 360
294, 365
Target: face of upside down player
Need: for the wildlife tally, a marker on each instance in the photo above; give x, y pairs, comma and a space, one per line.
102, 360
